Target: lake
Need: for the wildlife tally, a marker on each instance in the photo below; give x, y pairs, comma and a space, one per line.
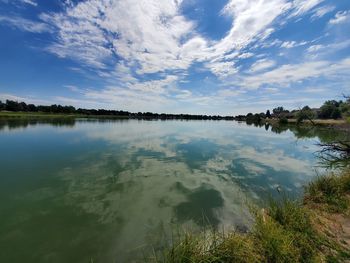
106, 191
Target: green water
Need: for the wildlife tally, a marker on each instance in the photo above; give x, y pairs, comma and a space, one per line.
104, 191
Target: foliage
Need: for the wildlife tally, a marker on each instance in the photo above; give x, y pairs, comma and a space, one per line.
268, 114
330, 110
280, 112
306, 113
256, 118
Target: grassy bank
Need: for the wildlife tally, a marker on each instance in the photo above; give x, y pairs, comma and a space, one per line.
312, 230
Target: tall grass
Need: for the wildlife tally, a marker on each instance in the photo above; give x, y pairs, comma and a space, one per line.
330, 192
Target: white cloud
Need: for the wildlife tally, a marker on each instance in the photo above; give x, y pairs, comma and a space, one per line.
303, 6
251, 19
292, 44
230, 93
148, 35
288, 44
291, 73
340, 17
261, 65
25, 24
321, 11
245, 55
315, 48
30, 2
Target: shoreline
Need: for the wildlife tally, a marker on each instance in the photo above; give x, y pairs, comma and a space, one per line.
313, 229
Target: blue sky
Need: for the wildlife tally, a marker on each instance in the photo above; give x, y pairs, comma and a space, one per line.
175, 56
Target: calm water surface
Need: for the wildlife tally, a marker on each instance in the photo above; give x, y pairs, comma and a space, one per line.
76, 191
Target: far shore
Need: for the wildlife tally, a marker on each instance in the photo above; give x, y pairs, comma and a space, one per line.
340, 123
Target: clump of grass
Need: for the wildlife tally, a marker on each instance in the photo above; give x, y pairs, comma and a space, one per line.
285, 233
329, 191
212, 246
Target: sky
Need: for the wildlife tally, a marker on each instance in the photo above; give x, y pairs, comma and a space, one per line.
224, 57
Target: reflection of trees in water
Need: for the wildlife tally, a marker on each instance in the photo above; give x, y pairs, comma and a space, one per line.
334, 144
16, 123
335, 154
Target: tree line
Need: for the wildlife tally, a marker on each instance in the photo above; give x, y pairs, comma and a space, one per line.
15, 106
330, 109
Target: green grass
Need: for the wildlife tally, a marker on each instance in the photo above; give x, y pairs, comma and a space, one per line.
330, 191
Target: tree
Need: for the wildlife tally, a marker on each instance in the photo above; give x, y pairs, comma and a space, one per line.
268, 114
280, 112
31, 108
330, 110
12, 105
345, 106
305, 113
2, 106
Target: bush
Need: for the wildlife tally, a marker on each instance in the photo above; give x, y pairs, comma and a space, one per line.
305, 114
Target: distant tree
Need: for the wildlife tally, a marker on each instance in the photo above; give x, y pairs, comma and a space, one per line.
330, 110
262, 115
306, 113
23, 106
336, 114
280, 112
31, 108
12, 105
268, 114
345, 106
2, 106
253, 119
